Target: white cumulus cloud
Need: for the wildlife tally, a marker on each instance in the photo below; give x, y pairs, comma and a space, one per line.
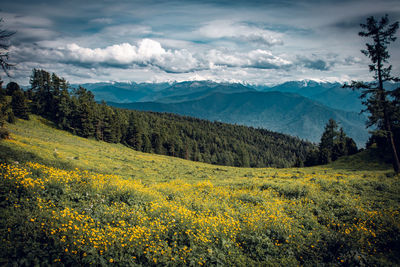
261, 59
146, 53
227, 29
150, 53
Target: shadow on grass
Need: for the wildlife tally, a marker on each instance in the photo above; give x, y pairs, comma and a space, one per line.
46, 122
367, 160
10, 155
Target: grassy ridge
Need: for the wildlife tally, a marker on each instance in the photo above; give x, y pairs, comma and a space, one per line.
128, 208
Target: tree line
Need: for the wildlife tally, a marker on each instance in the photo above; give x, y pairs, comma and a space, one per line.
75, 110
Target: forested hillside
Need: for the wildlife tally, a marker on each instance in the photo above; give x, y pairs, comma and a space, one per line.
286, 113
167, 134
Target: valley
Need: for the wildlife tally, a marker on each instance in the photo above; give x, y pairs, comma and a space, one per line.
278, 108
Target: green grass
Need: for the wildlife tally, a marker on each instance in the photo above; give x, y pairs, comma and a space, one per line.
132, 208
37, 140
368, 160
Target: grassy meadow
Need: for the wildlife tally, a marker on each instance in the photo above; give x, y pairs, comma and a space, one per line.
66, 200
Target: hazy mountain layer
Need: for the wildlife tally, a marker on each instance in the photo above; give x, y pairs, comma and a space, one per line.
282, 112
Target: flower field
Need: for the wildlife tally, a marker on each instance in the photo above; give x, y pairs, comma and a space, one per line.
161, 211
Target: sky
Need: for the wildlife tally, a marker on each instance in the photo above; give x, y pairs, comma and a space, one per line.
247, 41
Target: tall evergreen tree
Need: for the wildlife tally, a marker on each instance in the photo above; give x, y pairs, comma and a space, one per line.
5, 111
84, 112
382, 109
4, 45
11, 88
18, 100
334, 144
134, 136
146, 147
19, 106
5, 107
64, 109
2, 105
41, 93
327, 142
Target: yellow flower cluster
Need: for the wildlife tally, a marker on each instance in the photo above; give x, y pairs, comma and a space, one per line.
182, 222
21, 176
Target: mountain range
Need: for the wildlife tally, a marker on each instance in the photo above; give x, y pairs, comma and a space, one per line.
123, 92
329, 94
298, 108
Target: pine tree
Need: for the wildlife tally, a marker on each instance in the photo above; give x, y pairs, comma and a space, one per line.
381, 108
5, 107
5, 112
333, 145
134, 133
4, 45
41, 93
326, 145
339, 146
63, 115
84, 116
146, 143
18, 101
19, 106
11, 88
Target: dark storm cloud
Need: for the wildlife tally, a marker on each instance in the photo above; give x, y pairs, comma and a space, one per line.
353, 23
316, 64
326, 62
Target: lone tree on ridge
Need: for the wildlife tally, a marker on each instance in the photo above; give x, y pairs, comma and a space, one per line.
381, 104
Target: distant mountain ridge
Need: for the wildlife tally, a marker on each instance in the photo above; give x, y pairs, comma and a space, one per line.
329, 94
123, 92
187, 91
312, 104
276, 111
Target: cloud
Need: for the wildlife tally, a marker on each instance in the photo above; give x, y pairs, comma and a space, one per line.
315, 62
260, 59
101, 21
29, 28
124, 31
239, 31
34, 53
352, 61
327, 62
256, 41
150, 53
147, 52
31, 21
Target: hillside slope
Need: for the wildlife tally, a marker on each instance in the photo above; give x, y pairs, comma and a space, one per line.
145, 209
38, 140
